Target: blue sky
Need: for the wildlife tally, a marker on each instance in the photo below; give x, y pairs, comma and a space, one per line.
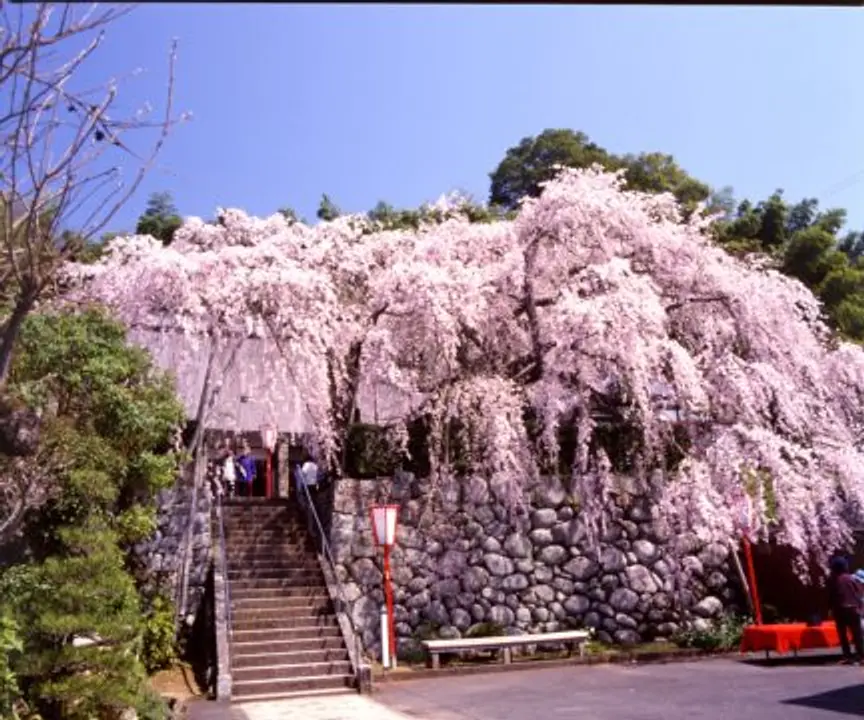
402, 103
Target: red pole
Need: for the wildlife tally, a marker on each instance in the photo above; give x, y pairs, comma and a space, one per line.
269, 490
751, 571
388, 594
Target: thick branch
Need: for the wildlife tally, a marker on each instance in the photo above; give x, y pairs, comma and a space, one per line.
683, 302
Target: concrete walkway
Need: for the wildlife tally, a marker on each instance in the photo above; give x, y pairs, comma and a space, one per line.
348, 706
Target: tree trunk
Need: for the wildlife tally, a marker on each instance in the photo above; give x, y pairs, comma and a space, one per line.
342, 404
11, 331
529, 299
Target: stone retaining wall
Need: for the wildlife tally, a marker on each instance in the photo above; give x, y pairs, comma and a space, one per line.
163, 554
463, 559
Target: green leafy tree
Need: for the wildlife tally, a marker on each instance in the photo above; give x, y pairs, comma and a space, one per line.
535, 160
327, 209
160, 219
659, 173
811, 255
805, 244
289, 214
852, 245
108, 420
83, 621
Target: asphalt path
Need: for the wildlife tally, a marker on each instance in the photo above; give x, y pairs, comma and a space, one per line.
706, 690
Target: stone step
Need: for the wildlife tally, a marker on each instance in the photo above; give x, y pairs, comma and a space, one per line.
269, 688
247, 509
276, 563
298, 576
266, 522
282, 672
281, 622
263, 520
301, 562
266, 646
244, 614
296, 657
268, 538
270, 635
269, 524
280, 501
269, 602
284, 695
252, 561
232, 547
250, 588
276, 548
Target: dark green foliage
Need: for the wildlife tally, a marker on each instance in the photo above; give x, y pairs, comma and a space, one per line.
108, 419
158, 644
289, 214
370, 452
11, 647
659, 173
160, 218
533, 161
327, 209
806, 245
84, 593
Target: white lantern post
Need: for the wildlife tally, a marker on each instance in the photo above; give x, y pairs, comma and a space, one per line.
268, 439
384, 519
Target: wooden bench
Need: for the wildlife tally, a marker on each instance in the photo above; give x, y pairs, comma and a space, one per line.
506, 643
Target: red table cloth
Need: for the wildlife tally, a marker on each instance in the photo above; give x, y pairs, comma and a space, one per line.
786, 638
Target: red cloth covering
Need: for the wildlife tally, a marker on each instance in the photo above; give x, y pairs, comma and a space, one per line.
785, 638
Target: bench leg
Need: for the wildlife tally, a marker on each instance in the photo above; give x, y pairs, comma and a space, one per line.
436, 661
508, 655
581, 649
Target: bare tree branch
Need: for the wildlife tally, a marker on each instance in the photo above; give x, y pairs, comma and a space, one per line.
63, 150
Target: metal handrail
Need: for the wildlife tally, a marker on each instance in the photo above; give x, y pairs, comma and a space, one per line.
312, 514
224, 564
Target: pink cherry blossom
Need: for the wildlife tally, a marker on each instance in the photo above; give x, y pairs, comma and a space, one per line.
591, 297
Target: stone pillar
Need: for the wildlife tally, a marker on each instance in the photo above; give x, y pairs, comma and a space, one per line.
283, 469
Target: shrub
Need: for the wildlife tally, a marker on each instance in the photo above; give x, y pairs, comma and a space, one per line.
159, 649
11, 647
721, 635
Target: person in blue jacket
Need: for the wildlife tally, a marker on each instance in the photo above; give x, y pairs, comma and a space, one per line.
246, 476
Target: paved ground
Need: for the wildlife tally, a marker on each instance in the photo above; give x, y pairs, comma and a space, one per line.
707, 690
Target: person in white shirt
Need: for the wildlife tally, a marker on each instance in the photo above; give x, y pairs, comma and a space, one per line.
309, 472
229, 469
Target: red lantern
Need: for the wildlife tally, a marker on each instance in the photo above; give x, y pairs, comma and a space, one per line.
384, 520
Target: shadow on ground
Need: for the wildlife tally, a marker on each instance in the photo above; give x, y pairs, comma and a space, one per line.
848, 701
815, 660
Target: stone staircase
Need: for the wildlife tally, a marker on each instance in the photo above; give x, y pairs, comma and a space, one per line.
285, 640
